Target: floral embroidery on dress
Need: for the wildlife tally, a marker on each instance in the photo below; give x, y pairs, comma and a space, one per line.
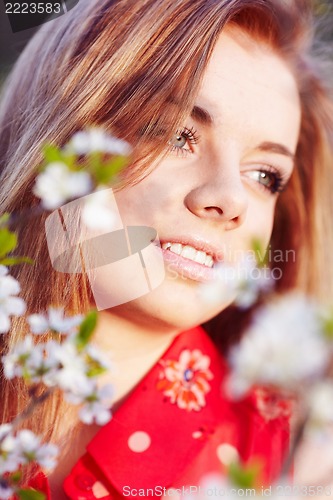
185, 381
272, 403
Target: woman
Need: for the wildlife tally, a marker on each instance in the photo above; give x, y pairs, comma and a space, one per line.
224, 107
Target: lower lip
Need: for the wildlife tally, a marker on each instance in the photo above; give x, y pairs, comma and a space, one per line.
188, 268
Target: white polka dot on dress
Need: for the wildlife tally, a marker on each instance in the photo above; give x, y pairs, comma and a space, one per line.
139, 441
99, 490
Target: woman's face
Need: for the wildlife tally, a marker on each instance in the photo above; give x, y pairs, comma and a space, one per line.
217, 188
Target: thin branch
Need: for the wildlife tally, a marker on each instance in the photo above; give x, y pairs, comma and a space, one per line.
288, 463
28, 411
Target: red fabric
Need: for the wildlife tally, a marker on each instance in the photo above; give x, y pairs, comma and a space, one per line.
40, 483
182, 421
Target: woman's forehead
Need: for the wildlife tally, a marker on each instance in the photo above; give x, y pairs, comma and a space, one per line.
254, 83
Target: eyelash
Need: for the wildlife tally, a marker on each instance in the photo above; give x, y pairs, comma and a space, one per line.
279, 181
191, 136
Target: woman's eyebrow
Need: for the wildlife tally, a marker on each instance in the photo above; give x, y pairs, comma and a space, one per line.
202, 116
275, 147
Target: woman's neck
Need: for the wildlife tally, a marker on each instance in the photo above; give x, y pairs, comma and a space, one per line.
131, 347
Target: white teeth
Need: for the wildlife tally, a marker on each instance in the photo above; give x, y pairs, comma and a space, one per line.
176, 248
201, 257
189, 252
209, 261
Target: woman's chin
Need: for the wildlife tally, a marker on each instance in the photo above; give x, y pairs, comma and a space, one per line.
173, 305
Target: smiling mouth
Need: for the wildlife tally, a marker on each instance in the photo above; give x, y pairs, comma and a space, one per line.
190, 253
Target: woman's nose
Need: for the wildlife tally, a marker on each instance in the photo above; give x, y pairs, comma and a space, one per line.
220, 196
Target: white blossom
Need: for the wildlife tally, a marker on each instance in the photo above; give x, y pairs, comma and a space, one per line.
96, 212
6, 491
56, 365
34, 361
30, 449
95, 412
96, 356
72, 374
67, 368
38, 323
15, 361
283, 347
5, 430
42, 365
54, 320
241, 283
9, 461
9, 304
319, 399
20, 449
96, 402
97, 140
57, 184
252, 282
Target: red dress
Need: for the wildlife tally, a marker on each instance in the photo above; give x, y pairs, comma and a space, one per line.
175, 428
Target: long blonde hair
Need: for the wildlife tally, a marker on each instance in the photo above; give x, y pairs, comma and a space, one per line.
118, 64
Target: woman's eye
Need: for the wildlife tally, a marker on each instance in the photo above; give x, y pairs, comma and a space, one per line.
271, 180
178, 140
182, 139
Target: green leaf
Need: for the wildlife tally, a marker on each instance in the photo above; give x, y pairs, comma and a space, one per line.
95, 370
30, 494
244, 476
16, 477
8, 241
52, 153
4, 218
260, 254
86, 329
11, 261
108, 171
94, 162
70, 160
327, 325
